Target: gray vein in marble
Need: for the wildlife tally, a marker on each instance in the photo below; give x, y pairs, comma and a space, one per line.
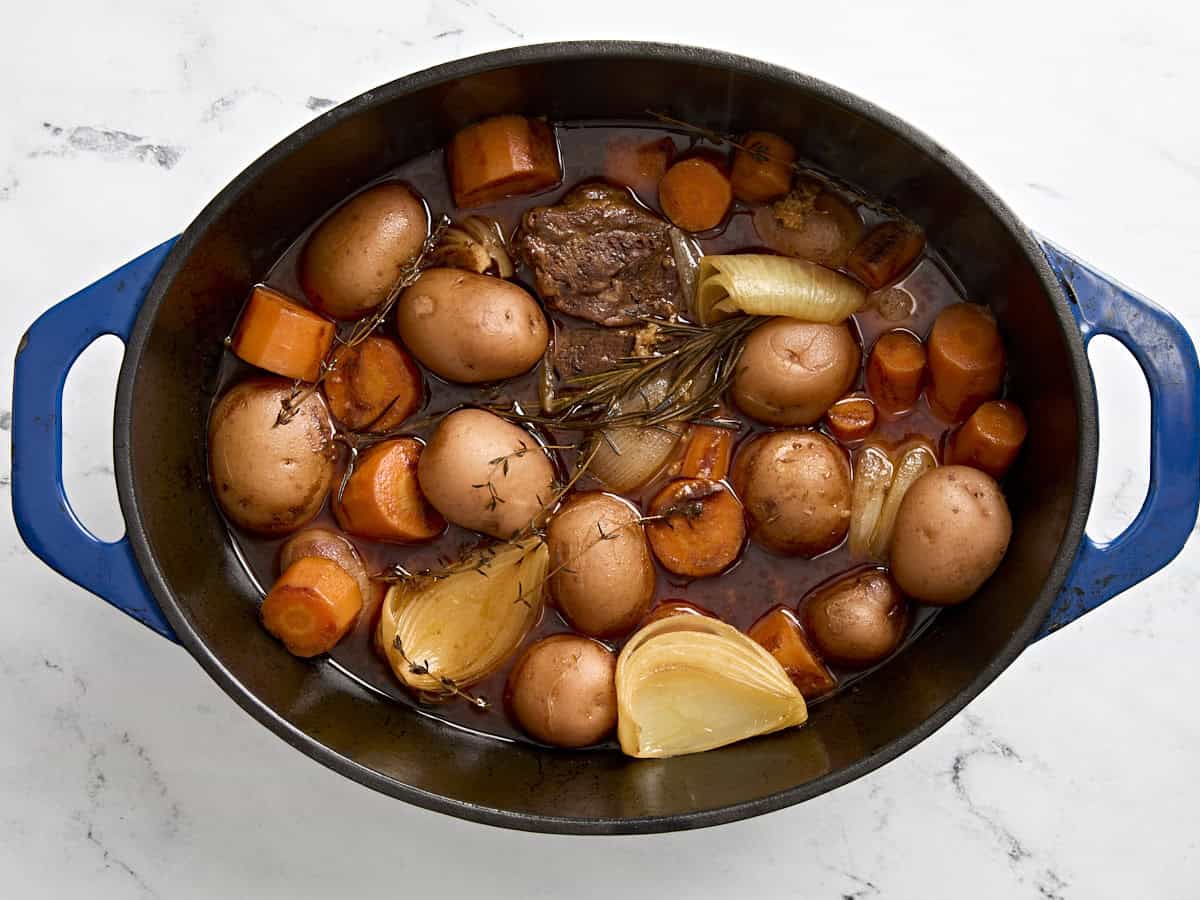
1045, 189
445, 34
6, 420
316, 104
106, 142
1048, 882
1186, 166
6, 189
221, 105
496, 20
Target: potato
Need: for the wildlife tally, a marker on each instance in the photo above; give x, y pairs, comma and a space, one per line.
857, 620
790, 372
602, 585
796, 488
562, 691
484, 473
269, 478
675, 608
354, 257
951, 532
471, 328
326, 544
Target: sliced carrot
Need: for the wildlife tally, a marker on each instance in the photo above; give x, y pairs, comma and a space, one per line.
374, 386
886, 253
702, 528
966, 360
638, 165
382, 499
780, 634
707, 453
674, 608
312, 606
763, 171
851, 419
896, 371
695, 194
281, 336
501, 157
990, 439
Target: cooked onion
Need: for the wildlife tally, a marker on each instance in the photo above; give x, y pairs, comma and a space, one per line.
687, 264
914, 462
686, 684
872, 476
476, 244
765, 285
628, 457
447, 633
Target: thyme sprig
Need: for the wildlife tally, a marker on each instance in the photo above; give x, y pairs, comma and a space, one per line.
363, 328
447, 683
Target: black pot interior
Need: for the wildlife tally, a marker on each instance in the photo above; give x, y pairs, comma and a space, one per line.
167, 383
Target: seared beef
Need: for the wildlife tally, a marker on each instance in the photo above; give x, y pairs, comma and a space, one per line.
599, 255
588, 349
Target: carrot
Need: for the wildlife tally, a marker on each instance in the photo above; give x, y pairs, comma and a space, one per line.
895, 371
990, 439
779, 632
281, 336
500, 157
674, 608
707, 453
312, 606
695, 194
382, 499
638, 165
763, 171
966, 360
886, 253
851, 419
373, 386
701, 529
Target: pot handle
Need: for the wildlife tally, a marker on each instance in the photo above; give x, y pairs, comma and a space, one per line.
43, 514
1167, 357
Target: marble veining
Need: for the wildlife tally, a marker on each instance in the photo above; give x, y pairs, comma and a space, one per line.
126, 773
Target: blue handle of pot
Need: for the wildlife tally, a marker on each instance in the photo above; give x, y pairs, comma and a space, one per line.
44, 517
1167, 356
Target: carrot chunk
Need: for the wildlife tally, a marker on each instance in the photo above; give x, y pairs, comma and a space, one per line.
695, 194
312, 606
886, 253
990, 439
707, 453
966, 360
501, 157
702, 528
281, 336
382, 499
638, 165
780, 634
896, 371
851, 419
373, 386
763, 171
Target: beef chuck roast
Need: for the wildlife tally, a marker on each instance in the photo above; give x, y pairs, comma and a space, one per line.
600, 256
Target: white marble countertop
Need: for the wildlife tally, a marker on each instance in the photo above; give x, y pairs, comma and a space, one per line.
125, 772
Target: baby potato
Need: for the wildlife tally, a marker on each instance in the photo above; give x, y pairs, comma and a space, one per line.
471, 328
484, 473
858, 620
796, 488
951, 532
326, 544
354, 257
562, 691
790, 372
267, 477
602, 585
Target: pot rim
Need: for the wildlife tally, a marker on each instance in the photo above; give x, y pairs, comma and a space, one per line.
1085, 398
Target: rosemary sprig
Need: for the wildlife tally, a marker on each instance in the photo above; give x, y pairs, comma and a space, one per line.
697, 370
364, 327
